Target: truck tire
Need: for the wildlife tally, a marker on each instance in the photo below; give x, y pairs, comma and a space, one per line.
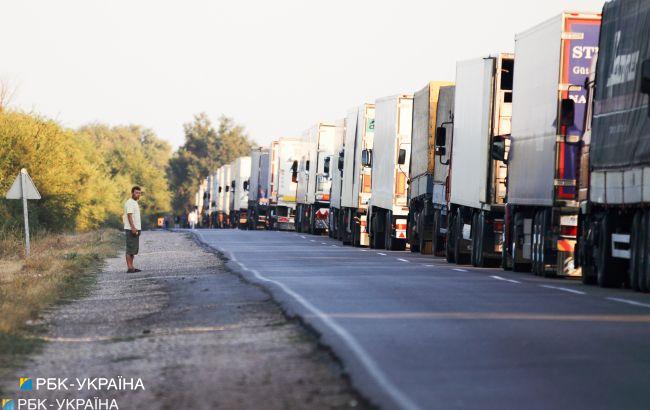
451, 238
475, 236
459, 257
414, 239
637, 252
391, 243
377, 237
480, 251
516, 234
423, 239
436, 240
607, 269
535, 245
356, 235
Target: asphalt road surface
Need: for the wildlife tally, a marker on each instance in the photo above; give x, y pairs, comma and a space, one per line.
416, 332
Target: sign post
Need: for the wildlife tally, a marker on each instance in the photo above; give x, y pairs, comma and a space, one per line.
24, 188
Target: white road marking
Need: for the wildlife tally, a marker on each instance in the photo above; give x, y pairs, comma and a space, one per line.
371, 366
335, 246
323, 243
460, 270
382, 254
577, 292
312, 240
505, 279
303, 236
629, 302
430, 266
403, 260
363, 250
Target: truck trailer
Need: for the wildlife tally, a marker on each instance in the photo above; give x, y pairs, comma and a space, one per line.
356, 179
223, 201
614, 221
427, 188
258, 199
482, 112
285, 154
312, 201
548, 113
389, 159
336, 174
241, 171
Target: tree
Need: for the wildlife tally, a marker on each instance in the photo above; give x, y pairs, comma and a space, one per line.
205, 149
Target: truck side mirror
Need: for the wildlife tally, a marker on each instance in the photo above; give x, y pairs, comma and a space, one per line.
366, 157
245, 185
307, 165
567, 112
326, 166
232, 185
441, 137
219, 189
401, 157
499, 150
294, 171
341, 161
227, 188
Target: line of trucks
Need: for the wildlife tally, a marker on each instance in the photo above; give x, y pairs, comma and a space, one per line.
537, 160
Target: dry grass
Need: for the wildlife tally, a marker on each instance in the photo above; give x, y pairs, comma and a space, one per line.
60, 268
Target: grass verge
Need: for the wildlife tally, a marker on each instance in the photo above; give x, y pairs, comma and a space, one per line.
59, 269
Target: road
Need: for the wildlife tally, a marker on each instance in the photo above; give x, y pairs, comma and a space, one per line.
415, 332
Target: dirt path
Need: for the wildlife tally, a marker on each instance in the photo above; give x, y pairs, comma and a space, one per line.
196, 335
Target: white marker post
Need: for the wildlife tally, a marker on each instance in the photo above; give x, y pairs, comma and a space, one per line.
24, 188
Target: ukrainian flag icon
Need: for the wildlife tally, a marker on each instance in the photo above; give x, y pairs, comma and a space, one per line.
7, 404
25, 383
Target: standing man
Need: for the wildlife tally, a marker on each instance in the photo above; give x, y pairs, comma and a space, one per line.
132, 227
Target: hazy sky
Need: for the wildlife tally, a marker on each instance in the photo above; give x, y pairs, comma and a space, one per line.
274, 66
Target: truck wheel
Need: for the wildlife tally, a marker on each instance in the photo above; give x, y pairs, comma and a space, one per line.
459, 257
606, 267
637, 257
451, 239
388, 238
535, 245
423, 239
414, 240
516, 238
475, 236
436, 241
480, 258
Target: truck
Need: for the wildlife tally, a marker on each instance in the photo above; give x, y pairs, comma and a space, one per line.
356, 179
313, 197
613, 219
427, 188
389, 159
284, 156
258, 194
241, 171
336, 174
482, 113
223, 199
548, 113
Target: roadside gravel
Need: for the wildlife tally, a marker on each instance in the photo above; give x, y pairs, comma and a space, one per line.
195, 334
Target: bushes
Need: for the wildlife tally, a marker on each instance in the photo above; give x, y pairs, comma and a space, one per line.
84, 176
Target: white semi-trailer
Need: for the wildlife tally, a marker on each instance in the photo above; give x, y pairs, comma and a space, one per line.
429, 168
389, 159
223, 202
356, 180
482, 112
241, 171
258, 199
312, 209
285, 154
548, 113
336, 174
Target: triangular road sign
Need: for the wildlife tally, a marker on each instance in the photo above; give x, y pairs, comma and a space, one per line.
16, 190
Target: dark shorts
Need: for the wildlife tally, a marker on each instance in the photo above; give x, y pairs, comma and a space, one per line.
132, 242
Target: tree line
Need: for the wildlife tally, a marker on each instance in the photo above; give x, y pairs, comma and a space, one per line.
85, 174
